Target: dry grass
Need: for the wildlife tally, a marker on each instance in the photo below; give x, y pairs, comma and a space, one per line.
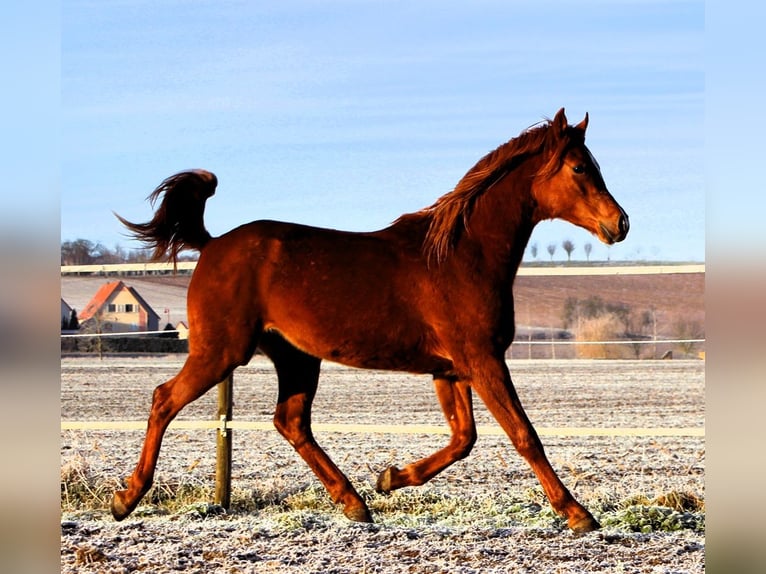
82, 488
303, 507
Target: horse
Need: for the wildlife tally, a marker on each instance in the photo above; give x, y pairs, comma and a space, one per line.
430, 294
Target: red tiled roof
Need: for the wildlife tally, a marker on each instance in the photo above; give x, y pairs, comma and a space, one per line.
99, 299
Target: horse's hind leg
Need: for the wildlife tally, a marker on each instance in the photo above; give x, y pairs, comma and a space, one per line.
197, 376
455, 400
298, 375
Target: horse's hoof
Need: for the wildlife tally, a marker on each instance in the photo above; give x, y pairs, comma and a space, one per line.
358, 514
385, 480
119, 509
584, 524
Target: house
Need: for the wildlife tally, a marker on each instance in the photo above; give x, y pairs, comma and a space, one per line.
118, 308
183, 330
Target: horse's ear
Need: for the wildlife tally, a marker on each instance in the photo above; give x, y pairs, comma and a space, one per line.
583, 125
560, 122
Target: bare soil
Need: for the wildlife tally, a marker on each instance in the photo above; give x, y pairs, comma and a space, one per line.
540, 300
487, 513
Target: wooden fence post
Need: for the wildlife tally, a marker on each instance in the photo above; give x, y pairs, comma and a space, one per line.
223, 444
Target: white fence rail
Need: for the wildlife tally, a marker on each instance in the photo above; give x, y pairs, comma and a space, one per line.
128, 268
528, 270
484, 430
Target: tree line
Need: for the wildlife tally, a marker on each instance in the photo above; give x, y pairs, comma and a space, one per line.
567, 245
86, 252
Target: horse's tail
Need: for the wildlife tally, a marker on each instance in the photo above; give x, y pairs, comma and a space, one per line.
178, 222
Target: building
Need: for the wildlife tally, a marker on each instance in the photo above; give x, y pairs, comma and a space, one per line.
118, 308
183, 330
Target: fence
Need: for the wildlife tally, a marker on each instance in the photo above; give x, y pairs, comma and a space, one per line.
224, 425
121, 269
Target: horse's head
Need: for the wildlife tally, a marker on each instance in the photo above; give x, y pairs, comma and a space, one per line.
570, 186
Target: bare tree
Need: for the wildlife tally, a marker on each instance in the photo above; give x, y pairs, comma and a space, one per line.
588, 248
568, 247
86, 252
551, 249
77, 252
533, 250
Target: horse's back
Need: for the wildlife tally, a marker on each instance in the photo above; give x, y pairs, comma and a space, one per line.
275, 251
348, 297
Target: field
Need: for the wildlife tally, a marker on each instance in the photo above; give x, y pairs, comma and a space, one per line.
539, 300
486, 513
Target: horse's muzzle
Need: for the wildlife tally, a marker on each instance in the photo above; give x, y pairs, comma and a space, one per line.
610, 236
623, 225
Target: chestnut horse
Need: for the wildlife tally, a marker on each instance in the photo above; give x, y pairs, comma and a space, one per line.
430, 294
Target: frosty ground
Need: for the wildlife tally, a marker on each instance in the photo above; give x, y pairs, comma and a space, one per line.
486, 513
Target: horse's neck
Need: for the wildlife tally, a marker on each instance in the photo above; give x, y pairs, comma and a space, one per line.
499, 228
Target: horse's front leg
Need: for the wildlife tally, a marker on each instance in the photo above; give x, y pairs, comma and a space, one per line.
492, 382
455, 399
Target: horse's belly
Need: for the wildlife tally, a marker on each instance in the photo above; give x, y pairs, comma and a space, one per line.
390, 350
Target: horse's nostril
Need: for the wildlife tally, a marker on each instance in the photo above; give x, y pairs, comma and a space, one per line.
624, 224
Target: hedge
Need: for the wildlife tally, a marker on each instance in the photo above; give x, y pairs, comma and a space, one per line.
147, 344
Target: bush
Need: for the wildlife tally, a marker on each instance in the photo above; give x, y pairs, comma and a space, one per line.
601, 328
687, 329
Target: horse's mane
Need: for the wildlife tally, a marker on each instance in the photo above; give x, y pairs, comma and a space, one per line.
449, 214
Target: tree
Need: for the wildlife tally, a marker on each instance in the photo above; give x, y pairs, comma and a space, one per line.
140, 256
85, 252
70, 323
171, 332
77, 252
568, 247
588, 248
551, 249
533, 250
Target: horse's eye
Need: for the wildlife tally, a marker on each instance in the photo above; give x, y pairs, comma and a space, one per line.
579, 168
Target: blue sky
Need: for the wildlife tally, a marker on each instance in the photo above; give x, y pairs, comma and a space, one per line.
347, 114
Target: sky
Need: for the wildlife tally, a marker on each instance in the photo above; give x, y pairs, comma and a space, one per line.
346, 114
